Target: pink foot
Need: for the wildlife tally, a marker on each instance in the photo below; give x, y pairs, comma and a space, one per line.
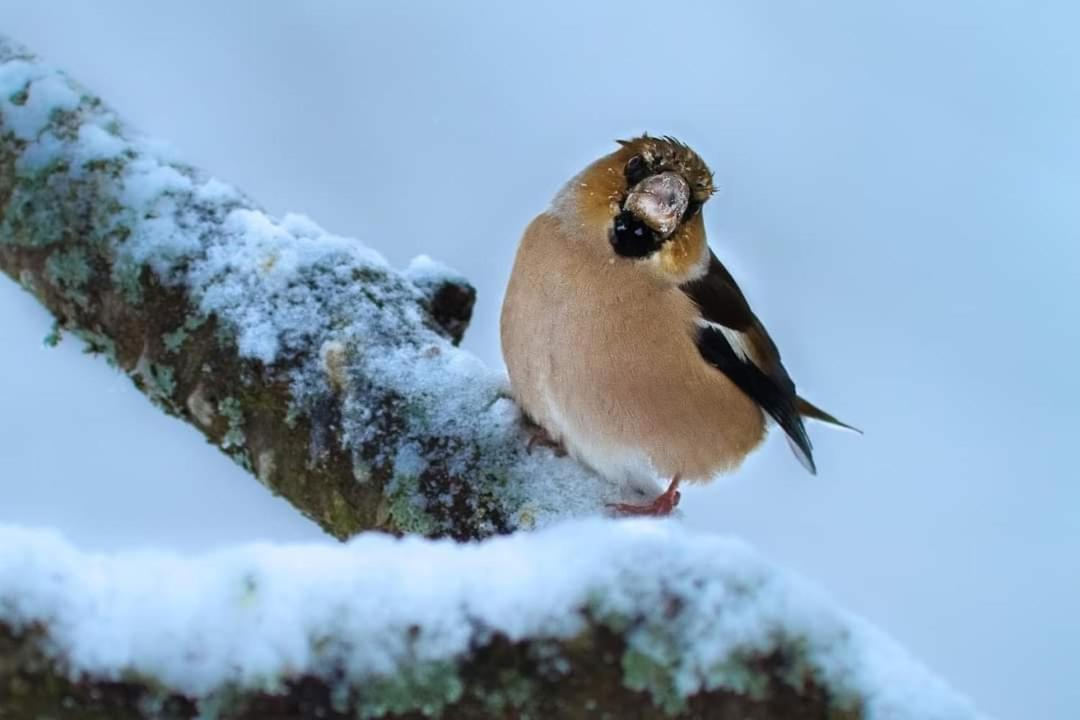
660, 507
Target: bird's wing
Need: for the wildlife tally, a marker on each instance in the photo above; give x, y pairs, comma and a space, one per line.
733, 340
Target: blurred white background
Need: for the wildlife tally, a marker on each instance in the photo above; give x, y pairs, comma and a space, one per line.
899, 185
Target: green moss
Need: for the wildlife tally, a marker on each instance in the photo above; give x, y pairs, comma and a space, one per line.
513, 696
339, 516
98, 344
112, 167
55, 335
361, 471
26, 281
234, 441
154, 703
406, 506
69, 270
65, 123
415, 412
240, 457
221, 704
164, 380
293, 415
19, 97
643, 672
158, 381
231, 409
651, 664
127, 278
427, 688
175, 340
737, 675
493, 496
31, 217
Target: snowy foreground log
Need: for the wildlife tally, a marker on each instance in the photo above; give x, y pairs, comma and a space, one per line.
335, 380
594, 618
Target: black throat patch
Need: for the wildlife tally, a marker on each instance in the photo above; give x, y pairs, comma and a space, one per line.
631, 237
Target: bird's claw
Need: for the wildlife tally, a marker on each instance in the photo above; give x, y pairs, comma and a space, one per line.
540, 436
660, 507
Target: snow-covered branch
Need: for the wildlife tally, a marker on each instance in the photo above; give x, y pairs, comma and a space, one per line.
330, 376
631, 619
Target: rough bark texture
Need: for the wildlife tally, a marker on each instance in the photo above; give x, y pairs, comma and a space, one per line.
502, 679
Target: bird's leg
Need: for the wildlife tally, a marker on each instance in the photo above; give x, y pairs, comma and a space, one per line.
660, 507
540, 436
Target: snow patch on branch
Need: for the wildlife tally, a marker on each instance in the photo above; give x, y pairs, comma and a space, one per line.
425, 271
700, 607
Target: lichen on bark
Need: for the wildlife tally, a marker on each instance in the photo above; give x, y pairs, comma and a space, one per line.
502, 679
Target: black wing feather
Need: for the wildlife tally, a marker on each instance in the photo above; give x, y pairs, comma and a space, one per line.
762, 377
777, 401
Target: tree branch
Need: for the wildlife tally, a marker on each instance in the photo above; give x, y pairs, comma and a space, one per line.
591, 619
304, 356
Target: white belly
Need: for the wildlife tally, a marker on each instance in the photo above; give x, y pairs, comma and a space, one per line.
626, 465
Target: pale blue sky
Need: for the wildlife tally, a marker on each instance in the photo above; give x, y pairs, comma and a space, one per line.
899, 186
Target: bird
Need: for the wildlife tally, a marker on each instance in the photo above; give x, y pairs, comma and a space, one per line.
628, 343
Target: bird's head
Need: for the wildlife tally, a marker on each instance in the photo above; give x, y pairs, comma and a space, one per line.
647, 198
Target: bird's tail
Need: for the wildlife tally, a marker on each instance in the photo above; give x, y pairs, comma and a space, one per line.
809, 410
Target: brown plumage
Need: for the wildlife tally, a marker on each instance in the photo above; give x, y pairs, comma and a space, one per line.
627, 340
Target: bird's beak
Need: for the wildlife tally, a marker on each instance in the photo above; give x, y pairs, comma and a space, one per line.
659, 201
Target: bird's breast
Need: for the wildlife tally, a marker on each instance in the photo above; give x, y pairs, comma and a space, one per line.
602, 356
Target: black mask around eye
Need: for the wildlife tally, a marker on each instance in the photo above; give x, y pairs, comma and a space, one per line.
636, 170
631, 237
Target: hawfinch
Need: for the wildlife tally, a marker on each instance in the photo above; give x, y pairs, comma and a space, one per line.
628, 342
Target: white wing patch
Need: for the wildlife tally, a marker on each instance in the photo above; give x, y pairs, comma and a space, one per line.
738, 341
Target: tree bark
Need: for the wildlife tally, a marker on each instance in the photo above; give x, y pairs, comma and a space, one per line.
501, 679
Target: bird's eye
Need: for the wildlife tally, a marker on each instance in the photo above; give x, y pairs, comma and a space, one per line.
636, 170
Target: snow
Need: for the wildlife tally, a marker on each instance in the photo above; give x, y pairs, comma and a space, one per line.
425, 271
45, 92
251, 616
269, 279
